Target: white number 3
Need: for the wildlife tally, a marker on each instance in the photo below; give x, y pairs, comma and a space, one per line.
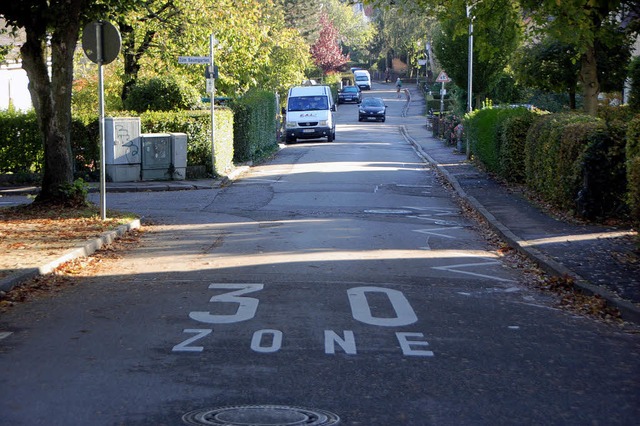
247, 306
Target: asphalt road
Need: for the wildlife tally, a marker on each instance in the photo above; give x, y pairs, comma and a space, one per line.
336, 284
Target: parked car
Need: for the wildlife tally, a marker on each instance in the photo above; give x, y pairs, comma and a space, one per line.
372, 109
363, 79
350, 94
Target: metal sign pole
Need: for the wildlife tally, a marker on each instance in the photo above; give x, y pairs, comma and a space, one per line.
103, 188
212, 98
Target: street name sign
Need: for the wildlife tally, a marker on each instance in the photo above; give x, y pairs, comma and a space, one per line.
194, 60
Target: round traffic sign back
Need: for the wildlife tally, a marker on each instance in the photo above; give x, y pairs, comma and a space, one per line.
110, 46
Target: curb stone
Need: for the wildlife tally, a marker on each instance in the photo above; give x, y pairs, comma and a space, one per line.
83, 250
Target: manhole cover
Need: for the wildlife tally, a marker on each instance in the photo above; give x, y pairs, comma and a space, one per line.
260, 415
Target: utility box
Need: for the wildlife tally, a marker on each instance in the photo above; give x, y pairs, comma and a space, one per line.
122, 149
156, 156
164, 156
179, 155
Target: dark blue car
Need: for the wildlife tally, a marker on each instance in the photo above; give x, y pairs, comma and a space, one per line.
349, 94
372, 109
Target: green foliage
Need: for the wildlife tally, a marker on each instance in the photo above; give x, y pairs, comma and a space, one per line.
21, 147
85, 145
512, 132
164, 93
545, 146
577, 163
197, 126
84, 98
634, 76
481, 128
497, 34
633, 167
604, 186
75, 194
255, 125
333, 81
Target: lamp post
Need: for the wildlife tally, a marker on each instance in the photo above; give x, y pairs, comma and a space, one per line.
470, 70
470, 65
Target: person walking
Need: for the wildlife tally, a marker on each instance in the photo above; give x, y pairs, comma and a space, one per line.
398, 86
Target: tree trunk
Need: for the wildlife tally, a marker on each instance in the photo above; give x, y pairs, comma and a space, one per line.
589, 79
51, 98
572, 98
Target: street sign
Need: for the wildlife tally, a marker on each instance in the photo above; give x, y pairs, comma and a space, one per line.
443, 77
109, 39
194, 60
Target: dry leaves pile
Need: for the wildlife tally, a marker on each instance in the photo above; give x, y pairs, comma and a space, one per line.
32, 236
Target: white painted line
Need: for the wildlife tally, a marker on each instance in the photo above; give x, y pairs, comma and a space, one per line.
454, 268
430, 231
5, 334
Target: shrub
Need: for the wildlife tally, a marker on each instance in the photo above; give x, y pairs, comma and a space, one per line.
21, 143
197, 126
513, 136
634, 76
633, 167
165, 93
481, 130
255, 125
85, 145
576, 162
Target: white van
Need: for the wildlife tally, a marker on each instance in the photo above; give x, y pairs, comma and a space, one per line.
363, 79
309, 113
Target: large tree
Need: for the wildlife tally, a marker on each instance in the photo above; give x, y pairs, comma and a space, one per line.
583, 24
497, 34
326, 51
52, 30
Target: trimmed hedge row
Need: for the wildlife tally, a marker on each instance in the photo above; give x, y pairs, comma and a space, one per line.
633, 166
255, 132
197, 126
585, 165
21, 148
251, 131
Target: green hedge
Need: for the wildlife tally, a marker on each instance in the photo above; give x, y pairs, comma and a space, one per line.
21, 148
197, 126
554, 148
481, 128
254, 131
634, 76
513, 136
577, 162
633, 167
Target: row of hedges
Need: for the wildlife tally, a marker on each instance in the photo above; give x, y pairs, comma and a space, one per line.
255, 132
20, 143
197, 126
585, 165
249, 128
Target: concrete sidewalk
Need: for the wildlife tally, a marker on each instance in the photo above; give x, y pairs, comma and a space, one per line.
600, 260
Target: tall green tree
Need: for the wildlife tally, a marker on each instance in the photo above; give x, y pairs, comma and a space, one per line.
355, 30
140, 30
582, 24
497, 33
52, 30
403, 30
304, 15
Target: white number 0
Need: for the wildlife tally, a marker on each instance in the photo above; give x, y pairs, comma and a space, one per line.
361, 310
247, 306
